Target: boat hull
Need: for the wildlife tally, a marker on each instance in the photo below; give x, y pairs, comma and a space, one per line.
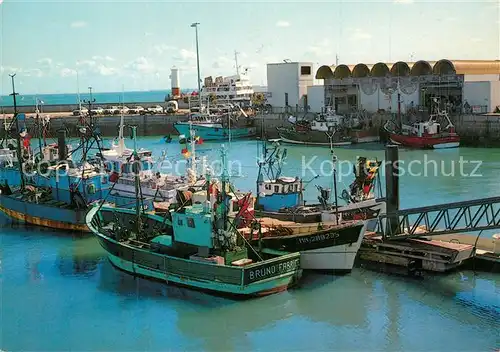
333, 249
257, 279
365, 210
365, 136
310, 137
210, 133
435, 142
46, 215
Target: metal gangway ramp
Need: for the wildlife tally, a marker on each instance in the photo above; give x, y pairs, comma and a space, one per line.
441, 219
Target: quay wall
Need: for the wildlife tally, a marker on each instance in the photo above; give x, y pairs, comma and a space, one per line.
474, 130
28, 109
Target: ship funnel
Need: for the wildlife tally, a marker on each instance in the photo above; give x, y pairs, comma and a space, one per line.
61, 144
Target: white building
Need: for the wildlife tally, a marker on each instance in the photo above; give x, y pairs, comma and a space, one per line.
375, 87
287, 83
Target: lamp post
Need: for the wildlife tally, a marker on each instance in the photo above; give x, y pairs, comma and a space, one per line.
195, 26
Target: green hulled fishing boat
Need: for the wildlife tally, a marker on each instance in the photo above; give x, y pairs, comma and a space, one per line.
196, 246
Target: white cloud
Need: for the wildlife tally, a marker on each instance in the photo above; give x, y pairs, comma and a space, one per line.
161, 48
406, 2
223, 62
46, 61
96, 66
360, 34
78, 24
321, 48
102, 58
67, 72
104, 70
32, 72
185, 54
141, 65
282, 24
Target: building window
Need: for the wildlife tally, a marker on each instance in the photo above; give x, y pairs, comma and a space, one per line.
179, 222
268, 187
190, 222
276, 189
305, 70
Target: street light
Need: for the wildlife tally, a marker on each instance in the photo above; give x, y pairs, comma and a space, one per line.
195, 26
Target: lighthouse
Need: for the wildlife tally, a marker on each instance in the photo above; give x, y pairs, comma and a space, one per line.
174, 79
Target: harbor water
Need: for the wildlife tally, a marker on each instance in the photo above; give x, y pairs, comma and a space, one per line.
59, 293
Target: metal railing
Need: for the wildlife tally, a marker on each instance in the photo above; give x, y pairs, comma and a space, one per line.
441, 219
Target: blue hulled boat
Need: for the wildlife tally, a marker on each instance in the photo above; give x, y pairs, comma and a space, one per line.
217, 128
50, 193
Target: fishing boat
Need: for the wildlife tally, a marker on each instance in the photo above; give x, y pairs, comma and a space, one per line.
59, 198
324, 234
426, 134
281, 197
195, 246
161, 187
217, 128
328, 127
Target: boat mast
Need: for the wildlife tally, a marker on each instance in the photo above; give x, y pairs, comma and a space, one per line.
334, 160
40, 127
400, 123
224, 179
136, 181
193, 150
121, 140
19, 157
78, 92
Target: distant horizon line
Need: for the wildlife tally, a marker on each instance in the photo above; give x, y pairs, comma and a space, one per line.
105, 92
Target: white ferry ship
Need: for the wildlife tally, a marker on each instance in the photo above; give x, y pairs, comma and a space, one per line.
236, 89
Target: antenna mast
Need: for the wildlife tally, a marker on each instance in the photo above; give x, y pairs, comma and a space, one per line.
236, 61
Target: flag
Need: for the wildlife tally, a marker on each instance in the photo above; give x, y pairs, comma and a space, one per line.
186, 154
198, 140
182, 137
26, 140
184, 151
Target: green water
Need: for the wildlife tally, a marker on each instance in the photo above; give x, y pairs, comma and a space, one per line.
59, 293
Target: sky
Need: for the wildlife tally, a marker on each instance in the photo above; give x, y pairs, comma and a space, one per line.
58, 46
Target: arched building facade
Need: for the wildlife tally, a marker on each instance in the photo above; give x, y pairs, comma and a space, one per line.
375, 86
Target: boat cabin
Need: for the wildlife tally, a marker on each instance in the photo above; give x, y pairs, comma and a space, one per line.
193, 226
51, 152
280, 193
421, 129
235, 204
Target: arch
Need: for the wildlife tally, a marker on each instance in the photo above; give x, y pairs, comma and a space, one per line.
342, 71
380, 70
360, 70
324, 72
401, 69
421, 68
444, 67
